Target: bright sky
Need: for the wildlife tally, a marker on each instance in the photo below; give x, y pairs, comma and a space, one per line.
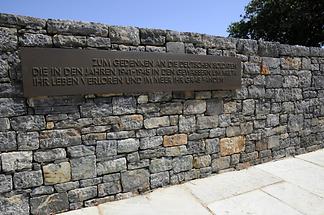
204, 16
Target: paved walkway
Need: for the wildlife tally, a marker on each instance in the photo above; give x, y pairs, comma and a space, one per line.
293, 186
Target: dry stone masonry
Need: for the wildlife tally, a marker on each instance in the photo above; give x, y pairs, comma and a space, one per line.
61, 153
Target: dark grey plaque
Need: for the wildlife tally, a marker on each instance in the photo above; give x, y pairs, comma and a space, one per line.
49, 71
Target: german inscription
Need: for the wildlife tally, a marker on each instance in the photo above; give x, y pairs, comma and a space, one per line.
48, 71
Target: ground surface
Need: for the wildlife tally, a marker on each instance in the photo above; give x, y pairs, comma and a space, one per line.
293, 186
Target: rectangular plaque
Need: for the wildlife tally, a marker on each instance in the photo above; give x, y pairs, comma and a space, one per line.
49, 71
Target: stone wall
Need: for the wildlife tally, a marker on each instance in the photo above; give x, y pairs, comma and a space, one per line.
66, 152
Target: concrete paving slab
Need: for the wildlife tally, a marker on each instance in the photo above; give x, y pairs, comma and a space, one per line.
316, 157
296, 171
297, 198
175, 200
251, 203
228, 184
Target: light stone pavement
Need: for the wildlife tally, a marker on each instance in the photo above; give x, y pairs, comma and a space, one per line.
293, 186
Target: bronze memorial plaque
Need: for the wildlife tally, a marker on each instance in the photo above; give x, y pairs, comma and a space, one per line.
49, 71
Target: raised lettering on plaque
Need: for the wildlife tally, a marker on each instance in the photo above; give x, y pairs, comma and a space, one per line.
49, 71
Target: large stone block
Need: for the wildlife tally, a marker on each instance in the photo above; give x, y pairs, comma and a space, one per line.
8, 141
194, 107
232, 145
187, 124
28, 123
69, 41
150, 142
28, 141
175, 47
160, 165
181, 164
106, 148
109, 188
111, 166
160, 179
82, 194
124, 105
202, 161
14, 205
28, 179
156, 122
15, 161
99, 42
81, 151
221, 163
204, 122
135, 180
152, 36
22, 21
52, 204
83, 167
56, 26
12, 107
124, 35
8, 38
57, 173
59, 138
127, 145
5, 184
35, 40
49, 155
131, 122
175, 140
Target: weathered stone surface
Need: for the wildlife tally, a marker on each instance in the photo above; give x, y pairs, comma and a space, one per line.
106, 148
273, 142
176, 151
187, 124
175, 47
80, 151
57, 26
102, 109
160, 165
291, 63
295, 122
5, 184
155, 49
127, 145
131, 122
214, 107
268, 49
28, 123
109, 188
167, 130
8, 141
156, 122
8, 38
82, 194
204, 122
28, 179
135, 180
248, 107
202, 161
49, 155
181, 164
247, 47
15, 161
66, 186
160, 96
233, 131
124, 35
51, 204
111, 166
83, 167
152, 36
11, 107
160, 179
219, 42
17, 204
289, 50
35, 40
99, 42
69, 41
22, 21
221, 163
194, 107
57, 173
120, 135
175, 140
59, 138
42, 190
212, 145
28, 141
232, 145
124, 105
150, 142
171, 108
